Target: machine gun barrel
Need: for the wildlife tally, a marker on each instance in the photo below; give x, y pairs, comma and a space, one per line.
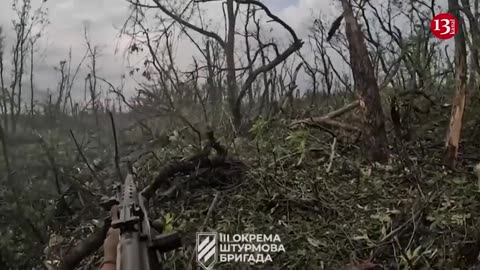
138, 248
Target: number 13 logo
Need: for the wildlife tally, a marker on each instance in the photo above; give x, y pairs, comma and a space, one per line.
444, 26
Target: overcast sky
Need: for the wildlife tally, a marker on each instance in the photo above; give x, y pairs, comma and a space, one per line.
104, 19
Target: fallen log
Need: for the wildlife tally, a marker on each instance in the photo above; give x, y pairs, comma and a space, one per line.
327, 119
331, 123
85, 248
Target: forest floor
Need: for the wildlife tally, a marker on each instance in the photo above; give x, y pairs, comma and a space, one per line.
412, 214
330, 208
403, 215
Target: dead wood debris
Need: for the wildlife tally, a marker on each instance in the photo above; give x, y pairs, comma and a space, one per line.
186, 166
327, 120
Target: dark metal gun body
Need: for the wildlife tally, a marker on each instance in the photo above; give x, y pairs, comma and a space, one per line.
138, 249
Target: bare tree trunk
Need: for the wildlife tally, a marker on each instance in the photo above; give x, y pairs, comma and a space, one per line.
31, 78
265, 101
230, 60
92, 77
14, 83
472, 80
212, 90
475, 39
458, 106
18, 64
475, 53
248, 50
366, 84
4, 95
93, 99
2, 83
61, 86
23, 52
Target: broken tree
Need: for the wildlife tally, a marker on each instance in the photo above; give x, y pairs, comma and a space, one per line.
366, 84
458, 106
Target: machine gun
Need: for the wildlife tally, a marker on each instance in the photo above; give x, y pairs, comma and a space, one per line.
139, 245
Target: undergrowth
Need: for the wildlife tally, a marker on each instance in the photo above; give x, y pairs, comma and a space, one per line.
330, 208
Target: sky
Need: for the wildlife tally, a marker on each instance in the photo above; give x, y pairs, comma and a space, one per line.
104, 19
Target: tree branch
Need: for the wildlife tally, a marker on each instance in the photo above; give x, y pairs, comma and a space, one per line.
295, 46
279, 59
189, 25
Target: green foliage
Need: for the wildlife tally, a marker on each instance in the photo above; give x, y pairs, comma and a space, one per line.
298, 141
169, 218
260, 128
